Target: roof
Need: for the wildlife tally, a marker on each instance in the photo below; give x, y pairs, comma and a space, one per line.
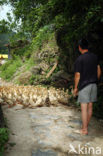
3, 56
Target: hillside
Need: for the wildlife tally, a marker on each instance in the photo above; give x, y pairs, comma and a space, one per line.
33, 62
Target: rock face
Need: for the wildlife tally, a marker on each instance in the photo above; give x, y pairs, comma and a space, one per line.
30, 96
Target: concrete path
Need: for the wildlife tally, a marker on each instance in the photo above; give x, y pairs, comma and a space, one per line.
50, 131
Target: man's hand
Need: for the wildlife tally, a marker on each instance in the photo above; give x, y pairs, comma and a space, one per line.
76, 81
99, 72
75, 91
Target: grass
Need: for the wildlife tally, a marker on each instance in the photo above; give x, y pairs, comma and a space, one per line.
29, 63
9, 68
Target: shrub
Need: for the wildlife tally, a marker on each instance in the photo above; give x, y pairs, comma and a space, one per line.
44, 34
20, 51
3, 139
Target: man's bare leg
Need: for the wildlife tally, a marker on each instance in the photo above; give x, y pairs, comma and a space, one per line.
90, 111
84, 114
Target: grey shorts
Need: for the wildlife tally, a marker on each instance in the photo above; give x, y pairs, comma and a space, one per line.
88, 94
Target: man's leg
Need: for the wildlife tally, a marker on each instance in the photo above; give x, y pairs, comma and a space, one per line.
90, 110
84, 114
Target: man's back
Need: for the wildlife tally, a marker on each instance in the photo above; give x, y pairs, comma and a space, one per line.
86, 65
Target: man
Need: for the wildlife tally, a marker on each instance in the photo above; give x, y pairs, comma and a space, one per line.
87, 73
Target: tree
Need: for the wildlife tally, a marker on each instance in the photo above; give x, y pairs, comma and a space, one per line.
4, 26
80, 16
74, 18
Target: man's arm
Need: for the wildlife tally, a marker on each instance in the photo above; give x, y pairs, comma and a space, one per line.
98, 71
76, 82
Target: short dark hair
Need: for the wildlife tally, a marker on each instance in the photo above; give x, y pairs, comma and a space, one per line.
83, 43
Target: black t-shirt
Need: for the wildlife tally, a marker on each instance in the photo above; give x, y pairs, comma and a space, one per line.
86, 65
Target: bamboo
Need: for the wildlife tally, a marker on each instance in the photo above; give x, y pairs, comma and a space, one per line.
53, 68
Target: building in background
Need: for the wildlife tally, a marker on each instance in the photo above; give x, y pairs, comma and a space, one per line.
3, 58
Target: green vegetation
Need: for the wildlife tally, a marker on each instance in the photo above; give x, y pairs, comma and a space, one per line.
68, 20
34, 78
44, 34
9, 68
3, 139
19, 51
98, 106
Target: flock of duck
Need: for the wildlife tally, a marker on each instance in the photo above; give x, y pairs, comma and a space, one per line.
32, 96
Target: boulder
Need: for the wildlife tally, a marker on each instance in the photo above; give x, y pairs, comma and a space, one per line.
25, 77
